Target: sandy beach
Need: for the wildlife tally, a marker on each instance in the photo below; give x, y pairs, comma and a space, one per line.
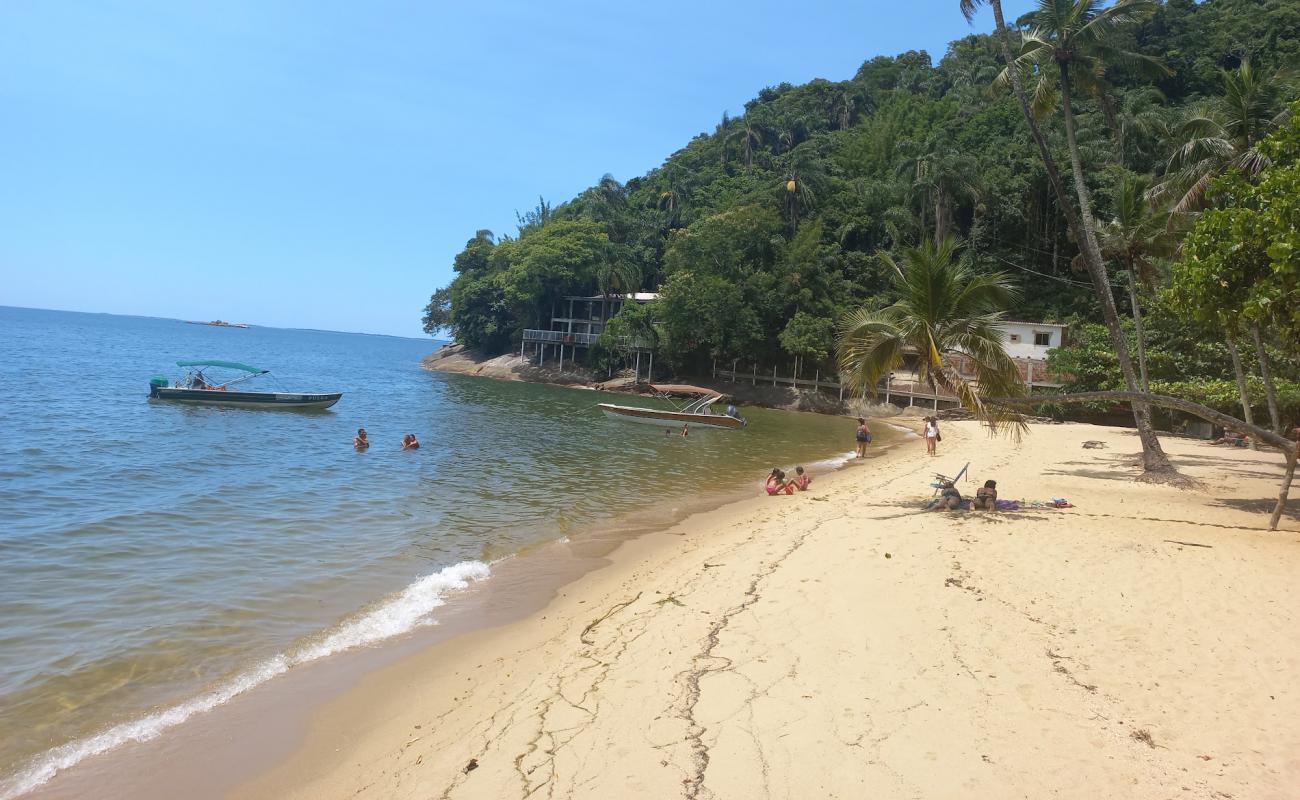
844, 643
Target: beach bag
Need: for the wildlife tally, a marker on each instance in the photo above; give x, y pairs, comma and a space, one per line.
864, 437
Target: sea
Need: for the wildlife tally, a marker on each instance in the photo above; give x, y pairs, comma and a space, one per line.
158, 560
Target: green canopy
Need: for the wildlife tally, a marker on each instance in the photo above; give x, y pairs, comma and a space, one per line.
226, 364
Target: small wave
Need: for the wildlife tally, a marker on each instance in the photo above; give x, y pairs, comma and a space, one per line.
908, 432
834, 462
407, 610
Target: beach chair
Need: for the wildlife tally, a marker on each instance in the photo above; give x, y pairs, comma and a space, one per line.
940, 479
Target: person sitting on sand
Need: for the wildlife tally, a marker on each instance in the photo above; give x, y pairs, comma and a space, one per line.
409, 442
776, 483
950, 500
986, 497
802, 480
360, 441
1236, 440
863, 437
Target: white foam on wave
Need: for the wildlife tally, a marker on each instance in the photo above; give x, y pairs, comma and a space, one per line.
834, 462
908, 432
409, 609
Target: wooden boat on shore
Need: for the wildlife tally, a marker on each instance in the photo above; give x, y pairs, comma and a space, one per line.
196, 388
698, 411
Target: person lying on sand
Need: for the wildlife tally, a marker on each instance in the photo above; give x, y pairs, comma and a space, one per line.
776, 483
950, 499
1237, 440
802, 480
409, 442
986, 497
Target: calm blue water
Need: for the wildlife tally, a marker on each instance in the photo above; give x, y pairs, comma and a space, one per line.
156, 559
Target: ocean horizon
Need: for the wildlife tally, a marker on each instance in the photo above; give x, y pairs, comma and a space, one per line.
161, 560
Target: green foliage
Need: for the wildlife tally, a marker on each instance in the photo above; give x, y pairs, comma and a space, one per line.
1242, 258
945, 310
761, 230
808, 337
437, 315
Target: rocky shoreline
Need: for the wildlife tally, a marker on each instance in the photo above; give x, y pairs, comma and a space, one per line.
457, 358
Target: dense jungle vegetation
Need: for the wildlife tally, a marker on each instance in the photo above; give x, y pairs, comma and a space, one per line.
765, 232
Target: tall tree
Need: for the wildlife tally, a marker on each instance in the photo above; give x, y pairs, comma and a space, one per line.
1224, 133
1155, 463
1138, 238
944, 310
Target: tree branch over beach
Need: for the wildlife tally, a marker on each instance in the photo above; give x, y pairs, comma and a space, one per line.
1290, 449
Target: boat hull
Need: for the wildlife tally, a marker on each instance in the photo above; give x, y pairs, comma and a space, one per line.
655, 416
208, 397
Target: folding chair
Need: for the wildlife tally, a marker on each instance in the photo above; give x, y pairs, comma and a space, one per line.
940, 479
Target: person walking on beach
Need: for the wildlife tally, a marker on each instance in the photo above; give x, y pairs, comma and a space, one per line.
931, 435
863, 437
360, 442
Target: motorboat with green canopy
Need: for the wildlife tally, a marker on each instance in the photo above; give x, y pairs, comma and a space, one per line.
204, 384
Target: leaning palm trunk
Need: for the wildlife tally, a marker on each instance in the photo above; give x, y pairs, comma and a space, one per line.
1242, 388
1266, 372
1137, 329
1153, 457
1290, 450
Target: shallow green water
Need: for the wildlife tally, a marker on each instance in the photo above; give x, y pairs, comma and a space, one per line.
159, 559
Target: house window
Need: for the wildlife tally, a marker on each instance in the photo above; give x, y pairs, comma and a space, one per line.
1042, 339
1015, 338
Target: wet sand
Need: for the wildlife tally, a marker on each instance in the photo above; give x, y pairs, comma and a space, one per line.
214, 752
843, 643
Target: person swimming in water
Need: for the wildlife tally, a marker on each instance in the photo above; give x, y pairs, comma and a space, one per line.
409, 442
360, 441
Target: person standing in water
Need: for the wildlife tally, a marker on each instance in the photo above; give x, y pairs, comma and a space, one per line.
686, 429
863, 437
360, 442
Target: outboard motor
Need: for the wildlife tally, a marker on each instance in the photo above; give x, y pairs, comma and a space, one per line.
155, 383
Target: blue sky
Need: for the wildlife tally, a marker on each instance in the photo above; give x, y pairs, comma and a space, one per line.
318, 164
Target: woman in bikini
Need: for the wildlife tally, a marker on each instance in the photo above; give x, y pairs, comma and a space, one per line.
986, 497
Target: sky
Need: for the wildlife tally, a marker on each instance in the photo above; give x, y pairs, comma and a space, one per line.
319, 164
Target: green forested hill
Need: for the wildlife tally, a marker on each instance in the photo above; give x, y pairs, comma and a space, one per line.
761, 232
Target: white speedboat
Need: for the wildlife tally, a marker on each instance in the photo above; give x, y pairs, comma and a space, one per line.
698, 412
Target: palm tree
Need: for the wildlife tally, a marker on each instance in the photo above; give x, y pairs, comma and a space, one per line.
941, 174
724, 138
1138, 237
1223, 134
944, 309
801, 184
615, 275
751, 135
1154, 461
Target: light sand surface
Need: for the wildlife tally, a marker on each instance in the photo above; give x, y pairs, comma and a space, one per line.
843, 644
